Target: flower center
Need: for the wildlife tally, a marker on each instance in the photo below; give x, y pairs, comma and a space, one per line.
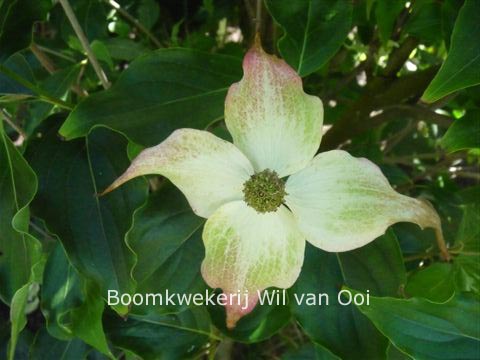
264, 191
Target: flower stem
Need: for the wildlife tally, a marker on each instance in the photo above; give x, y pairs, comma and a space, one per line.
258, 16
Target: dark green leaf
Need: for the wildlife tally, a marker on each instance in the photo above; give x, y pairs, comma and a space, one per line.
124, 49
394, 354
425, 21
148, 12
377, 267
264, 321
463, 134
19, 251
72, 306
467, 264
427, 330
461, 68
20, 66
314, 30
158, 93
386, 13
16, 21
161, 337
57, 84
435, 283
47, 347
310, 352
91, 228
165, 236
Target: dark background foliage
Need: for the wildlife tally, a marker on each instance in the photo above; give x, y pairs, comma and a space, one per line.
400, 82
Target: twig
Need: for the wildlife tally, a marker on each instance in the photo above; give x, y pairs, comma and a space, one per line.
84, 41
9, 121
46, 62
467, 175
134, 21
56, 53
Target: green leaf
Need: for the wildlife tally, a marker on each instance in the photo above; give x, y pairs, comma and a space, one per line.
16, 22
463, 134
394, 354
57, 84
160, 337
386, 13
427, 330
165, 236
124, 49
377, 267
92, 229
24, 298
435, 283
47, 347
425, 21
158, 93
20, 66
148, 13
310, 352
18, 317
467, 264
72, 306
19, 251
264, 321
324, 26
461, 67
160, 228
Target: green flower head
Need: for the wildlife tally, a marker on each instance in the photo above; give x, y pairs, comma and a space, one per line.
268, 192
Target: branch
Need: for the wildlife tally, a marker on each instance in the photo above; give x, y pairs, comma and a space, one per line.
380, 93
411, 112
84, 41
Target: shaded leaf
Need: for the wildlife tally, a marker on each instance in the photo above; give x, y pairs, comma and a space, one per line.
264, 321
310, 352
72, 306
427, 330
325, 25
19, 251
170, 337
16, 21
20, 66
463, 134
435, 283
386, 13
91, 228
158, 93
47, 347
461, 67
377, 267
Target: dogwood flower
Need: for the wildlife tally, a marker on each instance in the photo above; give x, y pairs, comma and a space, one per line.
258, 220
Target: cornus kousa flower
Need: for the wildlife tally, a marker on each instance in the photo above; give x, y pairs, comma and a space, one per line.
268, 193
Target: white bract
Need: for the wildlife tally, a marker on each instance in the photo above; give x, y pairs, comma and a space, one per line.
258, 223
